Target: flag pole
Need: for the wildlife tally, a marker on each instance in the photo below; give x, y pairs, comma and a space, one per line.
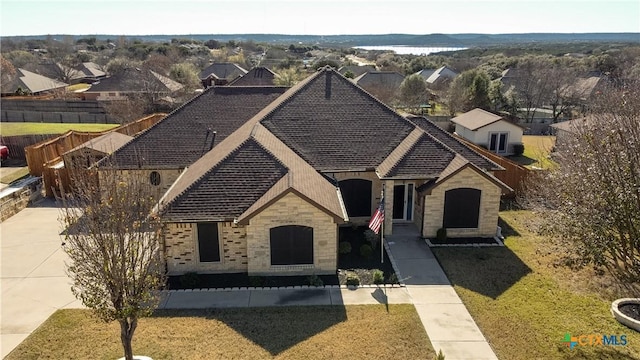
382, 231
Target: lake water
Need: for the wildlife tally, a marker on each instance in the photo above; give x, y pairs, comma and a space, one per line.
410, 50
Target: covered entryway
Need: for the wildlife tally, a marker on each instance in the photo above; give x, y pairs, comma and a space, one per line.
403, 202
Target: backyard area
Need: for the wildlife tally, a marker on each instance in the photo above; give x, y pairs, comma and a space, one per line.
334, 332
26, 128
537, 151
525, 301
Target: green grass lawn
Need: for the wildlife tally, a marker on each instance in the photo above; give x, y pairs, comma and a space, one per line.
26, 128
15, 175
314, 332
525, 302
537, 149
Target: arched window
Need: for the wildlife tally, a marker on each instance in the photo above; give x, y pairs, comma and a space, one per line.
291, 245
461, 208
356, 194
154, 178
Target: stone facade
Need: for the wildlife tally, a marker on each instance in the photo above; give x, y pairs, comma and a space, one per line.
247, 248
181, 249
292, 210
489, 205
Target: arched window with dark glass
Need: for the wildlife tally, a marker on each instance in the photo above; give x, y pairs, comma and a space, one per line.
291, 245
154, 178
461, 208
356, 194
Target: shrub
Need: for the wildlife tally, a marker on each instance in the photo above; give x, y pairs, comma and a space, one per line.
344, 247
441, 235
518, 149
190, 280
314, 280
353, 279
378, 276
366, 251
439, 355
256, 281
393, 279
371, 237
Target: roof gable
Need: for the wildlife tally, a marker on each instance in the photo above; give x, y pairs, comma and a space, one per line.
379, 78
227, 71
230, 187
33, 82
258, 76
335, 125
135, 80
454, 144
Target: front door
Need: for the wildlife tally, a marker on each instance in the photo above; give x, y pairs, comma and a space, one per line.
403, 202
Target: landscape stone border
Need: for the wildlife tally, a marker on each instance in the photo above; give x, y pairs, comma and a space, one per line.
297, 287
497, 243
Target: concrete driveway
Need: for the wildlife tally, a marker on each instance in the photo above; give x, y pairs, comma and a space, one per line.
33, 281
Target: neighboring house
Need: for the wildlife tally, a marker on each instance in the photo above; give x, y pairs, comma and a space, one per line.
383, 85
425, 73
220, 74
132, 81
356, 70
488, 130
258, 76
288, 168
566, 129
87, 72
94, 150
584, 89
26, 82
440, 77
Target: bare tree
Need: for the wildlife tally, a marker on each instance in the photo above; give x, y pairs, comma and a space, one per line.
113, 240
591, 201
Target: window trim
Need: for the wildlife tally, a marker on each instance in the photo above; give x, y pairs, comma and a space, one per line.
497, 148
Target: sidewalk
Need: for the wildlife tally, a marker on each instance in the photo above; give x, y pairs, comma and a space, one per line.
226, 298
445, 318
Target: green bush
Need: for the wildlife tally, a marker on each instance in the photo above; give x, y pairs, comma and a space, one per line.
344, 247
353, 279
190, 280
366, 251
314, 280
518, 149
256, 281
439, 356
441, 235
378, 276
393, 279
371, 237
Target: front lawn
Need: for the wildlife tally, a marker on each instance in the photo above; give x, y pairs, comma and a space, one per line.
314, 332
525, 301
27, 128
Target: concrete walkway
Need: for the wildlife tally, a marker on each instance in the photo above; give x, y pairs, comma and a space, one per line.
34, 285
445, 318
33, 282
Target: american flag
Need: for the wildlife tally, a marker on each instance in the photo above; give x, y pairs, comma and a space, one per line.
378, 217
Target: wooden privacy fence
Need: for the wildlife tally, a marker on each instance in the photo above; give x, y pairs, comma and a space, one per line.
44, 159
514, 174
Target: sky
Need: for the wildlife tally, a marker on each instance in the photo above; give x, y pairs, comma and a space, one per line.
312, 17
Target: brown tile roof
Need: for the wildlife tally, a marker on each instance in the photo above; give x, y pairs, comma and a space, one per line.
135, 80
454, 144
181, 138
234, 182
107, 143
258, 76
334, 125
427, 158
27, 80
379, 78
476, 119
227, 71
